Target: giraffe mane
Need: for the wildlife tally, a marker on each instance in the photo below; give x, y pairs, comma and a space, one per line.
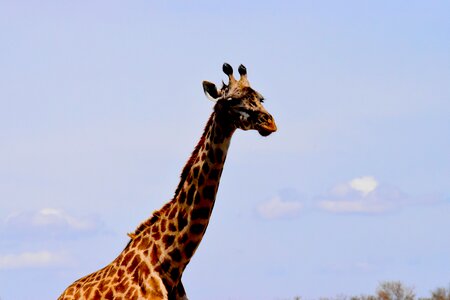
194, 155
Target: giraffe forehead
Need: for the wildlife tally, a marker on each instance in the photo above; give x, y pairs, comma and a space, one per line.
240, 92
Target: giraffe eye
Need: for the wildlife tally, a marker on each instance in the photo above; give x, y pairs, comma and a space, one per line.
233, 101
261, 99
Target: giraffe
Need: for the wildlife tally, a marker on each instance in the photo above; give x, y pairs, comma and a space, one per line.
152, 263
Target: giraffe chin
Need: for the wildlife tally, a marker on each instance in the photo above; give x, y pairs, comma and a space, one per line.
265, 131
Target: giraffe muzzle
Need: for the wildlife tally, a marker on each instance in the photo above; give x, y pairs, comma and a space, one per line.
267, 127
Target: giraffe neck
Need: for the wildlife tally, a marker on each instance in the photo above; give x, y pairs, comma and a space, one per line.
176, 230
210, 153
195, 196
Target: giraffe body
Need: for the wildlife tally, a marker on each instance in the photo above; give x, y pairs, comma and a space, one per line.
151, 265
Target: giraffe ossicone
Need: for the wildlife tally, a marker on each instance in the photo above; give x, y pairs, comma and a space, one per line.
152, 263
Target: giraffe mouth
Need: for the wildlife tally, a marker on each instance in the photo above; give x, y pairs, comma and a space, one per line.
267, 128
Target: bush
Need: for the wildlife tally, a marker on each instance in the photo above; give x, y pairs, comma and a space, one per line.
395, 290
440, 294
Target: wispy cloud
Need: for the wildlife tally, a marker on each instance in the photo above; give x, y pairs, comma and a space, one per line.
32, 260
277, 208
49, 222
362, 195
353, 206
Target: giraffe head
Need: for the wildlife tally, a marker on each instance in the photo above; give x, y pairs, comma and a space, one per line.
239, 103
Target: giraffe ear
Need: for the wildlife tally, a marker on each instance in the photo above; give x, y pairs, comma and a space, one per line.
211, 91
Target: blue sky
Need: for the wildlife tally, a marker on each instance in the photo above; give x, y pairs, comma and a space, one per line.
101, 105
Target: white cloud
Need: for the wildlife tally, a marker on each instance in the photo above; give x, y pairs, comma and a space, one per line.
362, 195
277, 208
48, 222
365, 185
32, 260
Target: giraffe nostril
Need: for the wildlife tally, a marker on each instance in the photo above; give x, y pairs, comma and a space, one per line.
268, 118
